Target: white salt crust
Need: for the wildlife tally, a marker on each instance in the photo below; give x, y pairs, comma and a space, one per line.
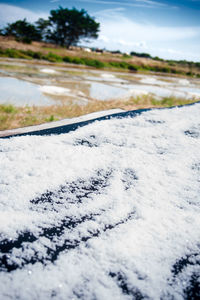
55, 90
145, 218
48, 71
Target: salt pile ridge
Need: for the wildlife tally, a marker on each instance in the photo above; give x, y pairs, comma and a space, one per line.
55, 90
48, 71
110, 211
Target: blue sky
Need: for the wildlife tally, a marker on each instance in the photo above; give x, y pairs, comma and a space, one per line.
169, 29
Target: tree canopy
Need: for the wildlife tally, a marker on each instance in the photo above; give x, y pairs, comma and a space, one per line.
68, 26
64, 27
22, 31
43, 28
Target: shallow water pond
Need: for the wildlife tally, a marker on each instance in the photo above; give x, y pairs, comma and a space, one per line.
20, 93
41, 85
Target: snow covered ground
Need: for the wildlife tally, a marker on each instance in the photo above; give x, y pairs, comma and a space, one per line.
109, 211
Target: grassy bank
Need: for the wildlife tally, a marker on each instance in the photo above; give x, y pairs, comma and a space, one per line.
15, 117
96, 63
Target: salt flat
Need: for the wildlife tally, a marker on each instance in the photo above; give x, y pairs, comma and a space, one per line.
43, 85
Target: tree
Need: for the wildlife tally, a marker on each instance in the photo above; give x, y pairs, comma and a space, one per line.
43, 28
22, 31
68, 26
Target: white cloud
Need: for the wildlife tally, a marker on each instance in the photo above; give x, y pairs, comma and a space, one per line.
137, 3
172, 51
122, 33
142, 44
150, 2
107, 41
108, 12
117, 26
103, 38
11, 13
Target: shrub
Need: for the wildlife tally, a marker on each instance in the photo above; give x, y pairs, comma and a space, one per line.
53, 57
84, 61
36, 55
93, 63
119, 64
77, 60
133, 68
67, 59
24, 40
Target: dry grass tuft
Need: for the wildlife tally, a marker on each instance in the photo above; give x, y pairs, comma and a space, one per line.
15, 117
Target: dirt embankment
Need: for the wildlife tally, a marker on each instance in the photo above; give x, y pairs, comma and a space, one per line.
45, 48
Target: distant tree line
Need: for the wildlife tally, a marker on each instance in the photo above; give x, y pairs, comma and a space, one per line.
145, 55
171, 62
64, 27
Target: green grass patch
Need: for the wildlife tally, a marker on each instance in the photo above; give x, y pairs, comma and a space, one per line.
50, 49
52, 57
50, 119
171, 101
13, 53
166, 102
8, 108
84, 61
